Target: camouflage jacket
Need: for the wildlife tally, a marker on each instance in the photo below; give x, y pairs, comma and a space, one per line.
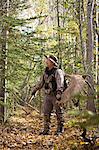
52, 81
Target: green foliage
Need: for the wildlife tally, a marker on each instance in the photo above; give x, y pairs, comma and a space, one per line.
90, 119
32, 32
74, 112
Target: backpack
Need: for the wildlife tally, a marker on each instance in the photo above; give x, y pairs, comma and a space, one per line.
65, 81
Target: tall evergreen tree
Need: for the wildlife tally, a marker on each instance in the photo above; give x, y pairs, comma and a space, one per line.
4, 4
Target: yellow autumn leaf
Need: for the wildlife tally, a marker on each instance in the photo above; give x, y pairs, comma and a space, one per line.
97, 144
81, 143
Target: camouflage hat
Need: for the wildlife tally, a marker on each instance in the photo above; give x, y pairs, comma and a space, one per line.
52, 59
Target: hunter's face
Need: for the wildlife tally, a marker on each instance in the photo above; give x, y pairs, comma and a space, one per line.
49, 63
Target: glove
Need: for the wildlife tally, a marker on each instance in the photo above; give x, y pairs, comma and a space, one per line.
33, 93
58, 95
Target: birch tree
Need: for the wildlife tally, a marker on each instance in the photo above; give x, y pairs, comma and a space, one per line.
81, 19
90, 58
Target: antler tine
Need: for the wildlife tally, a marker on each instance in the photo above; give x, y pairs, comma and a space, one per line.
67, 75
86, 75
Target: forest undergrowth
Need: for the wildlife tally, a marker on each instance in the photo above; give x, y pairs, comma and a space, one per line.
21, 132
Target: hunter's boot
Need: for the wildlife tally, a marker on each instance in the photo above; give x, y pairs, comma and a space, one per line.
46, 125
60, 129
60, 123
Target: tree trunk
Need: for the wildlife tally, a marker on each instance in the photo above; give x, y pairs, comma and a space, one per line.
59, 37
91, 95
3, 61
2, 75
97, 54
83, 46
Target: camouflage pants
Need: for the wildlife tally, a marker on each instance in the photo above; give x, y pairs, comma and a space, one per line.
49, 104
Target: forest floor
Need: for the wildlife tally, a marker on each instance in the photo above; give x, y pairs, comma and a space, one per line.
21, 132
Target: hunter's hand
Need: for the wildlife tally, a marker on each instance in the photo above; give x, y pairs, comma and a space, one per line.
58, 96
33, 93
